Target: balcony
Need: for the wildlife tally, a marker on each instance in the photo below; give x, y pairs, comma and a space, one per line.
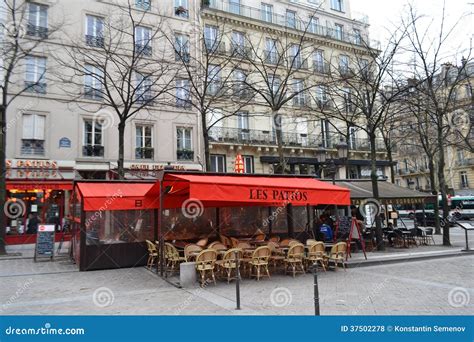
184, 154
95, 41
93, 151
363, 144
465, 162
35, 87
269, 17
31, 147
144, 152
240, 51
214, 47
37, 31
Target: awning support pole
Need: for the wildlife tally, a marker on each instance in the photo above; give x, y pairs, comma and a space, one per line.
289, 220
160, 230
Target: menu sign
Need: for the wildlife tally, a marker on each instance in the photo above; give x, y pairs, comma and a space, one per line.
45, 241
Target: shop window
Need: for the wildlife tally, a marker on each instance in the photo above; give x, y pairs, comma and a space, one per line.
144, 142
184, 144
32, 143
218, 163
92, 145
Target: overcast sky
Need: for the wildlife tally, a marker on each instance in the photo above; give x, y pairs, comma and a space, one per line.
383, 13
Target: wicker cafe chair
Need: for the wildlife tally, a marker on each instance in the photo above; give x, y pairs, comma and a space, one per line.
293, 242
277, 256
172, 257
259, 262
311, 242
152, 254
191, 251
316, 254
205, 263
295, 258
275, 238
337, 255
218, 246
234, 242
229, 263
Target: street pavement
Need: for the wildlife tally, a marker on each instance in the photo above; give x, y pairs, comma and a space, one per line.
428, 287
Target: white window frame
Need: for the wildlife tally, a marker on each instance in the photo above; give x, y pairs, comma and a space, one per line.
35, 69
142, 36
91, 75
186, 139
337, 5
37, 129
93, 132
246, 158
267, 12
219, 161
183, 92
37, 15
143, 136
290, 19
96, 31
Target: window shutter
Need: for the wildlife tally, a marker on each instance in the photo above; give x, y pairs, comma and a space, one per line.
28, 126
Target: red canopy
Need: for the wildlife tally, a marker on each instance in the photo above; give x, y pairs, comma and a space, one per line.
238, 190
116, 196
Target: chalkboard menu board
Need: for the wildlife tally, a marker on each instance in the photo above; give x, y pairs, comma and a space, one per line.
344, 227
45, 241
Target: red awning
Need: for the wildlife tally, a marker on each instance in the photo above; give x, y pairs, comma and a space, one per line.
116, 196
238, 190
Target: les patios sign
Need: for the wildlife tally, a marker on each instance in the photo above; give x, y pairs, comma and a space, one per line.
31, 164
278, 195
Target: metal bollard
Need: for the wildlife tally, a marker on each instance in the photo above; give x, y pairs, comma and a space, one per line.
316, 290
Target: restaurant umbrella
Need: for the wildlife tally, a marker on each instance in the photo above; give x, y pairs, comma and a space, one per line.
239, 164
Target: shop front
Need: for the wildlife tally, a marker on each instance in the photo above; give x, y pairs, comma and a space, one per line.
38, 192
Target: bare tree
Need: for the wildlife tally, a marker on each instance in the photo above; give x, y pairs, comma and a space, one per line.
211, 80
121, 65
438, 83
280, 75
22, 35
361, 94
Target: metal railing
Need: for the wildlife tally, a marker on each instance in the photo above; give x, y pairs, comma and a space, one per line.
282, 20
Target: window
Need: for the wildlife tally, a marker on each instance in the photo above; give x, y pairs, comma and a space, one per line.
32, 143
184, 143
182, 48
321, 96
92, 145
35, 80
218, 163
93, 77
357, 37
291, 19
464, 180
352, 138
143, 40
347, 98
181, 8
339, 32
143, 4
275, 83
325, 133
94, 31
234, 6
248, 164
214, 79
343, 64
296, 59
299, 99
239, 82
37, 20
318, 60
210, 37
313, 25
468, 90
143, 88
364, 68
243, 124
143, 142
238, 42
337, 5
271, 51
267, 13
183, 96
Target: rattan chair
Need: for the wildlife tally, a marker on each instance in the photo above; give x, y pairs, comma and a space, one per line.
202, 243
228, 264
172, 257
337, 255
152, 254
294, 259
316, 254
293, 242
191, 251
310, 242
205, 263
277, 256
235, 242
259, 262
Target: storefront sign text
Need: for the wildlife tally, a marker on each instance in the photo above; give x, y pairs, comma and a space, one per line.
32, 164
278, 195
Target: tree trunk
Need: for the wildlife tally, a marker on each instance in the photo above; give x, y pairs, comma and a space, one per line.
442, 183
3, 172
390, 159
434, 191
205, 135
280, 169
375, 192
120, 168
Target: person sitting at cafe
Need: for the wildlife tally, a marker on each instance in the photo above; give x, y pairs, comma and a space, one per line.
326, 230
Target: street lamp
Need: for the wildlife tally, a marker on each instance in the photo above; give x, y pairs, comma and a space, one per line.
330, 165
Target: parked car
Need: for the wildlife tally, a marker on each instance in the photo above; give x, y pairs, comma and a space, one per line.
430, 219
